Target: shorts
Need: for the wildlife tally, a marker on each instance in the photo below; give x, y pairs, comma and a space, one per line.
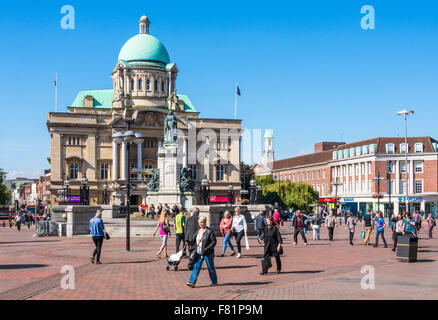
164, 239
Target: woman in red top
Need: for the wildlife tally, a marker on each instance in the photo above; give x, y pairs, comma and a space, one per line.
225, 227
276, 217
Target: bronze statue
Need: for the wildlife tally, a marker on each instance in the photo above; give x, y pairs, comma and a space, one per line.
170, 124
186, 181
154, 183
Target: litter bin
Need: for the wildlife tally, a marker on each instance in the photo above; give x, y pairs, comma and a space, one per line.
407, 248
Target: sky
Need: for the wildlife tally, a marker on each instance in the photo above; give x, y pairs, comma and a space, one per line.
306, 69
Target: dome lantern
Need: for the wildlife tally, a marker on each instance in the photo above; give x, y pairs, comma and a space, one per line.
144, 25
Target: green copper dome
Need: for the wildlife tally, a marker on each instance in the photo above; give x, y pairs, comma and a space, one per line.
144, 48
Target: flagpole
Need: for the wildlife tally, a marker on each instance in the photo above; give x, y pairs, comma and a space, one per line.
235, 103
56, 92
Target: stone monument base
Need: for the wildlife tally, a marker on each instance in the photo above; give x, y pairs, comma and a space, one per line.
170, 197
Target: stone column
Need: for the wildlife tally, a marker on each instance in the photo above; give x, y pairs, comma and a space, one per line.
139, 158
115, 161
124, 161
397, 177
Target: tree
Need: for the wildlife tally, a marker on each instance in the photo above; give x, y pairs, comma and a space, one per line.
5, 195
246, 174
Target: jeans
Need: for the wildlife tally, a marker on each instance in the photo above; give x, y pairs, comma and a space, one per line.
98, 241
179, 239
260, 234
368, 235
198, 264
330, 232
378, 233
239, 237
227, 242
301, 232
395, 236
315, 233
430, 232
351, 236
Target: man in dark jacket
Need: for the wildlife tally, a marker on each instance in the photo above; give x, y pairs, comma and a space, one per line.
202, 243
260, 224
191, 228
273, 243
298, 224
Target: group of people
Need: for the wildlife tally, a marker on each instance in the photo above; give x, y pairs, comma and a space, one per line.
151, 211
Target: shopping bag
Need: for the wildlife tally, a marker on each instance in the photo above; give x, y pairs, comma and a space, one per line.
362, 235
246, 243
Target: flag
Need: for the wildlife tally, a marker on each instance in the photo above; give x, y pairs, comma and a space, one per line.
238, 90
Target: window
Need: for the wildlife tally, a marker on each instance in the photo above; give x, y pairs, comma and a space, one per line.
390, 166
313, 187
307, 175
350, 187
418, 166
149, 166
148, 144
357, 186
298, 176
290, 177
194, 171
140, 84
317, 174
323, 189
390, 148
313, 175
69, 141
148, 84
402, 167
73, 170
318, 188
303, 178
162, 86
363, 185
104, 171
402, 148
323, 173
293, 177
390, 187
132, 85
403, 187
220, 173
418, 147
418, 186
156, 85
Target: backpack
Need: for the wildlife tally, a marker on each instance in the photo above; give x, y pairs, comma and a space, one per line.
164, 227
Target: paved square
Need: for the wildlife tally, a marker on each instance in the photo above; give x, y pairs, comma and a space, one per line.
30, 269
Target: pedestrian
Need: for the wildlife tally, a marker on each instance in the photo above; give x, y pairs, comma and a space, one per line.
203, 243
330, 222
239, 228
350, 225
272, 248
192, 227
225, 228
10, 219
97, 231
276, 217
408, 225
398, 230
430, 224
159, 209
298, 224
180, 223
418, 221
18, 219
380, 229
152, 211
260, 223
316, 226
367, 225
163, 224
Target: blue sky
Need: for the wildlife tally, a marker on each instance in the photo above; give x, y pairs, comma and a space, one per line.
305, 68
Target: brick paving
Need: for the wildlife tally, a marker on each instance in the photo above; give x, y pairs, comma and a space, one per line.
30, 269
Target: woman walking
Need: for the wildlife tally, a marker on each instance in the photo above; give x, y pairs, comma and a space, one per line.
239, 229
430, 224
380, 229
316, 225
351, 226
203, 243
398, 230
273, 248
225, 227
164, 226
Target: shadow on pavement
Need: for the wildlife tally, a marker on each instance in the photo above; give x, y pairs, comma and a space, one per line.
129, 262
427, 250
13, 242
22, 266
302, 271
255, 283
426, 260
235, 267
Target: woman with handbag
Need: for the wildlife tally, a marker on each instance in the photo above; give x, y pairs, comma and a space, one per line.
239, 229
225, 227
202, 248
273, 247
164, 226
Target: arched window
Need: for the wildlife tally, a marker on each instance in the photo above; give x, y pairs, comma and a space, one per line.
140, 84
148, 84
156, 85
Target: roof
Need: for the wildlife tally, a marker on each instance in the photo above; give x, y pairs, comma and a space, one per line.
188, 106
101, 98
303, 160
145, 47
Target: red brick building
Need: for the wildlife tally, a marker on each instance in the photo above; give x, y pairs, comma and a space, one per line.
353, 166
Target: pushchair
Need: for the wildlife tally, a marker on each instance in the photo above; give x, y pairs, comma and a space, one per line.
174, 260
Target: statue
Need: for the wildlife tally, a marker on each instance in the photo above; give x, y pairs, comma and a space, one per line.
186, 181
170, 129
154, 183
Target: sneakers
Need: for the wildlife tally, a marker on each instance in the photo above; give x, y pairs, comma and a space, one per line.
190, 284
263, 274
92, 259
278, 271
222, 254
295, 243
98, 262
238, 255
233, 254
305, 243
213, 285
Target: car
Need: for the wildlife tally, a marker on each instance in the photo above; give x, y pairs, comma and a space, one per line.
4, 215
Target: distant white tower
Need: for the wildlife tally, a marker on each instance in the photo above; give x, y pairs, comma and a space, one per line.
268, 151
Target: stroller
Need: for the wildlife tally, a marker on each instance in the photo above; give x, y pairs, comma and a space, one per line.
174, 261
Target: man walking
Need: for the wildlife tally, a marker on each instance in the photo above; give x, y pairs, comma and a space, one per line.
180, 223
192, 228
330, 222
367, 225
260, 224
298, 224
97, 230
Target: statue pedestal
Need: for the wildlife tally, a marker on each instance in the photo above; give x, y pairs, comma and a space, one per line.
188, 200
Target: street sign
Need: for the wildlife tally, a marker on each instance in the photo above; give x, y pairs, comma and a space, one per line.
327, 200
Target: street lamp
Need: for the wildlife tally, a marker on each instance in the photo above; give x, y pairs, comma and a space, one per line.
378, 179
259, 193
205, 191
105, 194
230, 194
406, 113
252, 190
336, 184
66, 190
84, 191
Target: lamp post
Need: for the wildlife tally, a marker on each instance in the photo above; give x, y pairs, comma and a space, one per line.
105, 194
406, 113
66, 190
336, 184
388, 178
84, 191
378, 179
230, 194
205, 191
259, 194
252, 190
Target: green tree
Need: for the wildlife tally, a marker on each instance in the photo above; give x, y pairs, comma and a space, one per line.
246, 174
5, 195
